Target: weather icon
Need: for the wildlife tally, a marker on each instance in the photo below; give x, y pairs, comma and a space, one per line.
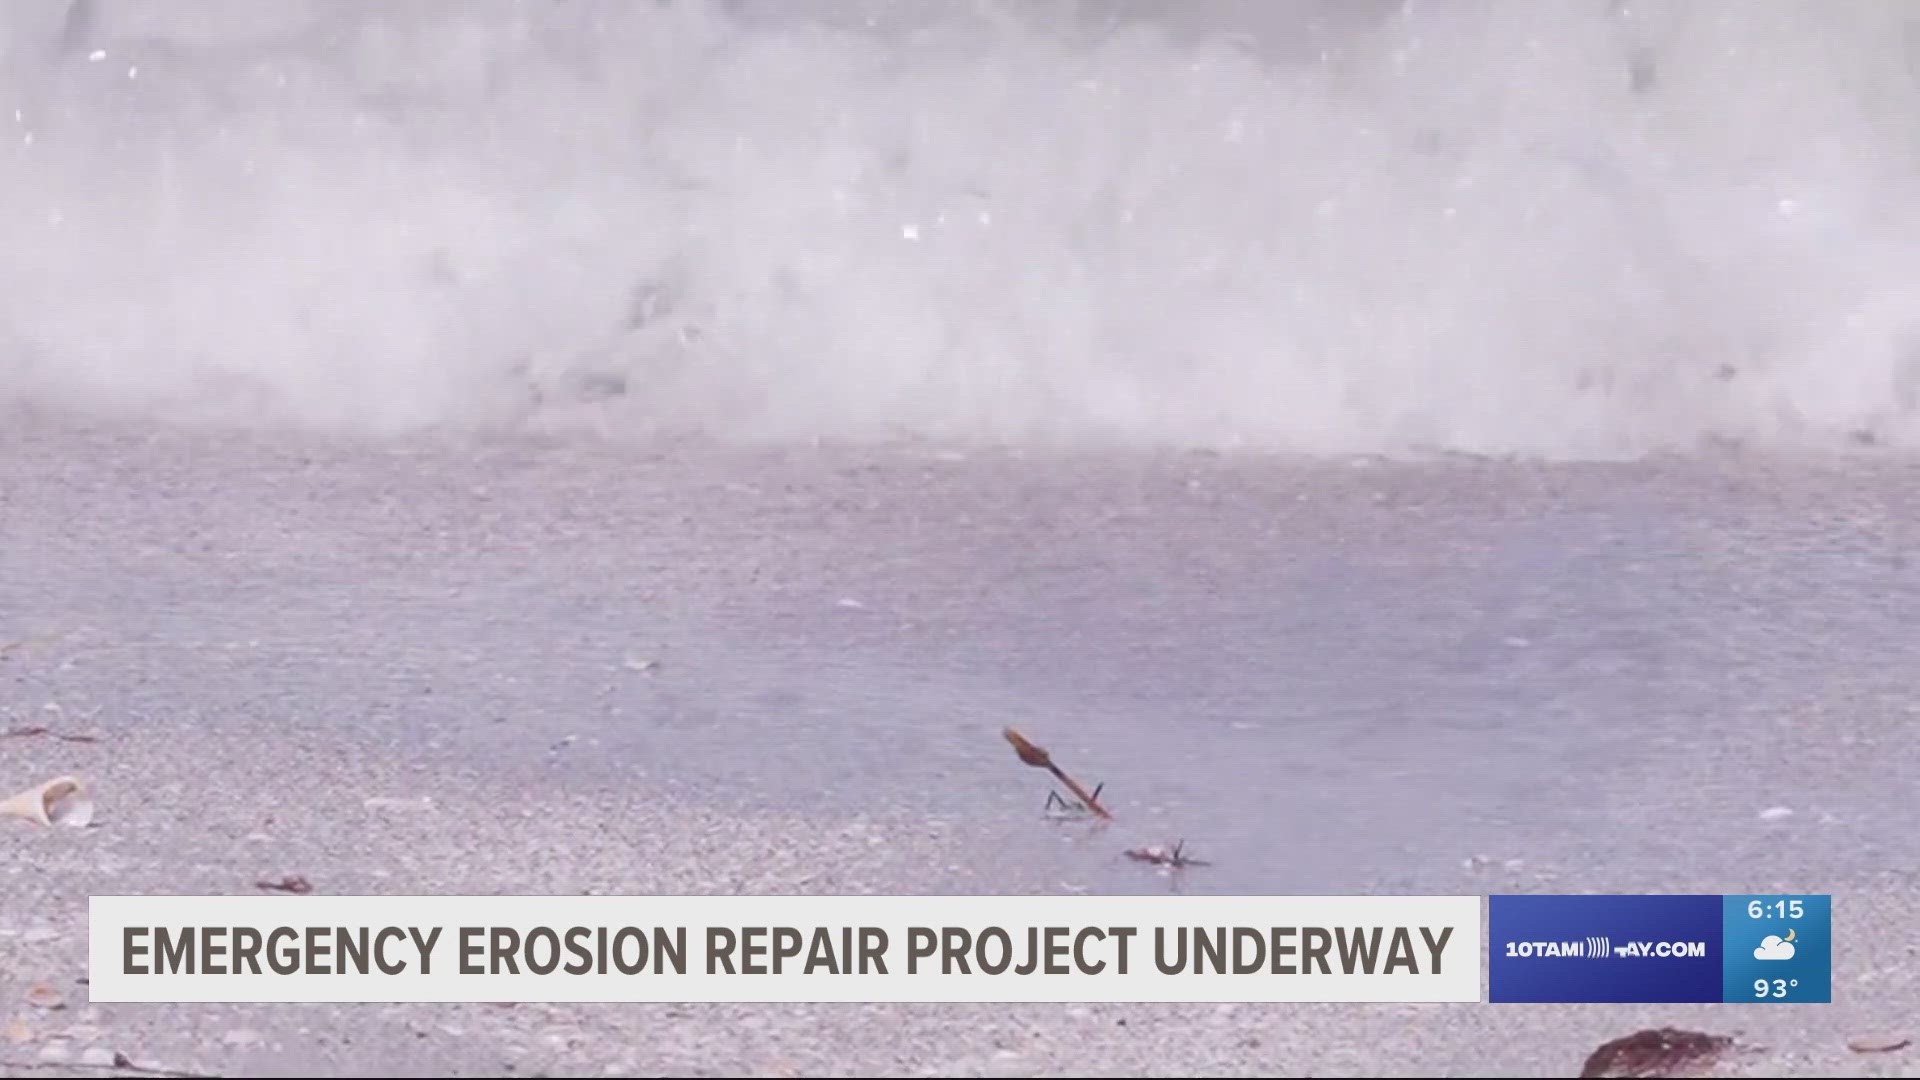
1775, 947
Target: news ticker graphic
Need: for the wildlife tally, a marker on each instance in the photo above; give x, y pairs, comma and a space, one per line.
1660, 948
785, 948
1569, 948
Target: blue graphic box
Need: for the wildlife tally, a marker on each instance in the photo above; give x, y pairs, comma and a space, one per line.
1668, 949
1605, 948
1779, 948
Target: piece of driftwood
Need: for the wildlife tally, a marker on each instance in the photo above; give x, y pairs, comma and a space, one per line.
1040, 759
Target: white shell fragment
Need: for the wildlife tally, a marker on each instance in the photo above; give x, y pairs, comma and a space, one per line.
60, 801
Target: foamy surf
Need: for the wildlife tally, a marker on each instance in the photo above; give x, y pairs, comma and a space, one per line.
1564, 230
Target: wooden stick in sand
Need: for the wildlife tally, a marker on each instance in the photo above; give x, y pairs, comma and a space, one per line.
1040, 759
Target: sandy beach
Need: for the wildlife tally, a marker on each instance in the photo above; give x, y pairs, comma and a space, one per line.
783, 670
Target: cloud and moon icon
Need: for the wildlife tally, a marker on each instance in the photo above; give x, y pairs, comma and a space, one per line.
1775, 947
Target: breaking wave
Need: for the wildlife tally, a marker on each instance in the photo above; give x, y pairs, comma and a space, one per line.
1562, 229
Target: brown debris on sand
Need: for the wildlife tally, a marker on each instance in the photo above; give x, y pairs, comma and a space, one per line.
1666, 1052
1168, 859
1040, 759
30, 732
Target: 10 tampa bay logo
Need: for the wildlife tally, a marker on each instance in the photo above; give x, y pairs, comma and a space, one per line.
1602, 948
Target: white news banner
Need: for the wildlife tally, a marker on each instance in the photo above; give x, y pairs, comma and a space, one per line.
786, 948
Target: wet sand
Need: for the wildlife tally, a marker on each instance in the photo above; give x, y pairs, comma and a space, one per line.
695, 668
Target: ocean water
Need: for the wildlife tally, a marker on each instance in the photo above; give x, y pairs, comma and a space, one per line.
1562, 230
1448, 446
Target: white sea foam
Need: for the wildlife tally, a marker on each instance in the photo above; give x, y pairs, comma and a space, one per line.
1558, 229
